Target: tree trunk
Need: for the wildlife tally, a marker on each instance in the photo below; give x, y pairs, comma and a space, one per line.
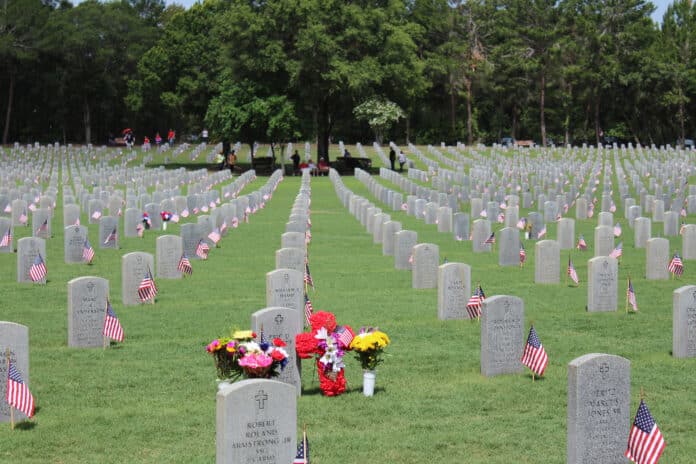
514, 122
408, 130
8, 114
453, 106
323, 131
682, 133
87, 120
598, 129
469, 117
542, 116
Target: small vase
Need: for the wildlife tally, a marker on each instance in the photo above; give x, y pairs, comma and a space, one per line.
369, 382
164, 225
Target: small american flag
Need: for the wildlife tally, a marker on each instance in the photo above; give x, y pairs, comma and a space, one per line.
523, 254
202, 249
617, 252
175, 218
612, 207
112, 326
223, 227
18, 395
572, 272
522, 223
185, 213
140, 229
676, 266
23, 218
43, 227
185, 265
87, 251
96, 215
6, 238
37, 271
147, 290
77, 222
8, 208
582, 245
235, 222
483, 213
302, 456
645, 442
345, 335
473, 306
215, 236
534, 356
683, 212
112, 237
308, 309
542, 232
501, 218
308, 277
617, 230
631, 296
490, 239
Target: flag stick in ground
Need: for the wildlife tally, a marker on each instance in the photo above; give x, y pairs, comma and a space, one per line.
7, 358
628, 284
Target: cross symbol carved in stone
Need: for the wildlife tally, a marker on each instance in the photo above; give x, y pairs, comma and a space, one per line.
261, 398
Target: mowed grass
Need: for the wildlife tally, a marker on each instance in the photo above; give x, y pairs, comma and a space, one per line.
152, 397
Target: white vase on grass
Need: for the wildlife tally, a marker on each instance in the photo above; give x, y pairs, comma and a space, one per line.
369, 382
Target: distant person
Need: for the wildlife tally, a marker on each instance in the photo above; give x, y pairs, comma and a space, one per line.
146, 143
225, 154
204, 136
323, 166
232, 161
402, 160
295, 163
171, 136
346, 153
158, 139
392, 158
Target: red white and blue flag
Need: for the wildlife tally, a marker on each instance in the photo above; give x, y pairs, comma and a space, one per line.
572, 273
534, 356
473, 306
617, 252
18, 395
112, 237
308, 277
202, 249
676, 265
631, 296
185, 265
302, 456
523, 255
308, 309
112, 326
37, 271
582, 245
87, 251
6, 238
147, 289
645, 442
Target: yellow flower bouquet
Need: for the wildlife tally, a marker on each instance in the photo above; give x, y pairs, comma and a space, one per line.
369, 347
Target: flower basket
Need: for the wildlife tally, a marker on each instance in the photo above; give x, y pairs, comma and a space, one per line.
240, 356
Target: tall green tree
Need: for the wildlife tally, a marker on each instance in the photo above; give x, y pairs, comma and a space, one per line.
21, 22
678, 66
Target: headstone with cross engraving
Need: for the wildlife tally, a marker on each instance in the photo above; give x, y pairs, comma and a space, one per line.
599, 394
134, 267
169, 249
282, 323
656, 259
86, 311
28, 248
15, 338
502, 335
404, 242
291, 258
453, 290
74, 238
256, 422
602, 284
285, 287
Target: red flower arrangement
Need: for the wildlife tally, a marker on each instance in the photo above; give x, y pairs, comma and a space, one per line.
328, 343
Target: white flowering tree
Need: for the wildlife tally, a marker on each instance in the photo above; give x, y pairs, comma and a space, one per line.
380, 114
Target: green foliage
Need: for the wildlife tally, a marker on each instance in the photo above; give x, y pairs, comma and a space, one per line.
380, 114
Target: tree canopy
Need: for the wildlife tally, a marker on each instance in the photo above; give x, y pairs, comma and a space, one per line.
571, 71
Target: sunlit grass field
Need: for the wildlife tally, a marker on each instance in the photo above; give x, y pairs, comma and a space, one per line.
152, 398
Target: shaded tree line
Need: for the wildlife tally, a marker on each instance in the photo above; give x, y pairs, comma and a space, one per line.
568, 71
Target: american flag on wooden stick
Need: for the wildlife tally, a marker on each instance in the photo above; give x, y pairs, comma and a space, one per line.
112, 326
534, 356
18, 395
645, 442
37, 271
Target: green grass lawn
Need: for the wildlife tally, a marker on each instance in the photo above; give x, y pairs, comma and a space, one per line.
152, 398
